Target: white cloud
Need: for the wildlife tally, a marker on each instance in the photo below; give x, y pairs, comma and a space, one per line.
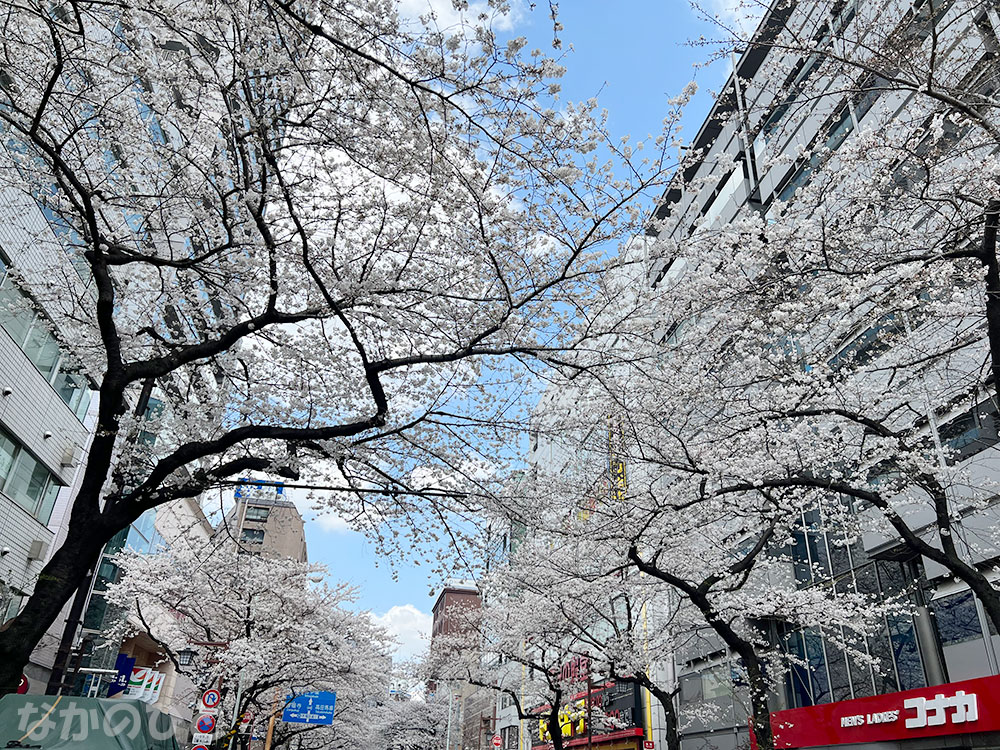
741, 16
333, 523
447, 16
410, 627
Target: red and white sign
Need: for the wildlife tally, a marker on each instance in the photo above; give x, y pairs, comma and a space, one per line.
647, 745
955, 708
497, 740
205, 724
210, 701
22, 686
200, 747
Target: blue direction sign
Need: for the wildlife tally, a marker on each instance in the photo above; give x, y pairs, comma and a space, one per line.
310, 708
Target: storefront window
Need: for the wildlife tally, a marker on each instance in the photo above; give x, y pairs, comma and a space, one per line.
817, 545
798, 676
117, 543
94, 618
865, 580
840, 685
839, 557
800, 557
817, 666
885, 672
861, 676
137, 540
957, 619
961, 636
904, 647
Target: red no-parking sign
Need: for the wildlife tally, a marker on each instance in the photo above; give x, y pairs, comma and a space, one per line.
205, 724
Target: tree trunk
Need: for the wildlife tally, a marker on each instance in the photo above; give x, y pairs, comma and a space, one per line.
760, 710
666, 699
58, 581
552, 721
698, 596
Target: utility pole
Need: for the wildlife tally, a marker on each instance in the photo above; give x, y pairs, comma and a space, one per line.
447, 736
237, 714
590, 713
57, 678
270, 722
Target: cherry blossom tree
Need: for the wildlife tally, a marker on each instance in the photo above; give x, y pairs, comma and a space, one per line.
276, 631
816, 352
409, 724
305, 238
633, 575
881, 267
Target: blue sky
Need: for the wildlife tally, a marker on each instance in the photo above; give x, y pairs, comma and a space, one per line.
633, 56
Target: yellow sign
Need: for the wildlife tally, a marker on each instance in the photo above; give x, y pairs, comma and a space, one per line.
572, 721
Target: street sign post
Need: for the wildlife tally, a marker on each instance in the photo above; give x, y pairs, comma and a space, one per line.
205, 724
310, 708
497, 740
210, 701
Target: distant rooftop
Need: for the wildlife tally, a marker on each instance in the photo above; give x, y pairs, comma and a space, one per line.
264, 500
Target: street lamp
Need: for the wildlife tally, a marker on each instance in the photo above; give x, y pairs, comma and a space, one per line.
186, 657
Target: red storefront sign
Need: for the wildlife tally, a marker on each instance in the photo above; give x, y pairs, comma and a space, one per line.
955, 708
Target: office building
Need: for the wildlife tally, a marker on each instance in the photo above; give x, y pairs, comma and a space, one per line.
781, 102
265, 522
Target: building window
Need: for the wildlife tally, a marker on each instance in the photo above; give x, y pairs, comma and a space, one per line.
25, 480
257, 513
971, 432
254, 536
869, 344
30, 331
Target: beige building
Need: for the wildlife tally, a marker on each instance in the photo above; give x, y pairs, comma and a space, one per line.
266, 523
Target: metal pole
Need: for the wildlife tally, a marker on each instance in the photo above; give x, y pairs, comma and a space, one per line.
57, 677
237, 716
590, 725
447, 736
